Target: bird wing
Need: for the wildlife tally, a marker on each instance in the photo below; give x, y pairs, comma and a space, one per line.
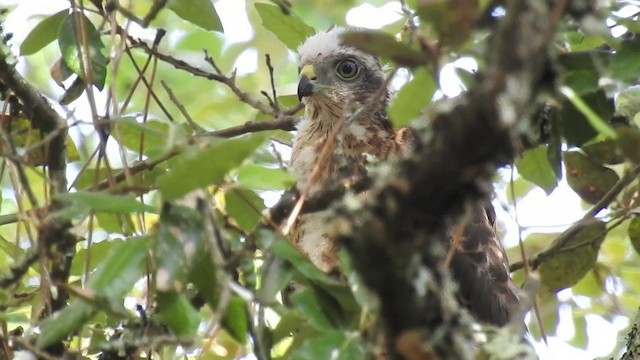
481, 268
479, 263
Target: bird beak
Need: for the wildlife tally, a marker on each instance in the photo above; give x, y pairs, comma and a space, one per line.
305, 85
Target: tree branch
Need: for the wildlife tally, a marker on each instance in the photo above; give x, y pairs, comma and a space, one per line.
573, 230
229, 81
633, 340
286, 123
321, 200
405, 224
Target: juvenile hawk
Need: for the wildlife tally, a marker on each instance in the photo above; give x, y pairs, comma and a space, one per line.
334, 81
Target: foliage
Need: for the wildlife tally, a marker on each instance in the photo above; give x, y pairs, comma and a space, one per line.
174, 250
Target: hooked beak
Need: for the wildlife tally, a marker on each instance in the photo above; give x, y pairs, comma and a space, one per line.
305, 85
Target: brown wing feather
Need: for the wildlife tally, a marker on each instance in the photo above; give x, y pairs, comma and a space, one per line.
481, 269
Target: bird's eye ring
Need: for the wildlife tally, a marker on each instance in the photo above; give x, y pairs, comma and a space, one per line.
347, 69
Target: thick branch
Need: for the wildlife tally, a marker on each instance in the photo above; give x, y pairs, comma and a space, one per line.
633, 340
319, 201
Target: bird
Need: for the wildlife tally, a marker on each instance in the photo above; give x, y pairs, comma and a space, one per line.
335, 79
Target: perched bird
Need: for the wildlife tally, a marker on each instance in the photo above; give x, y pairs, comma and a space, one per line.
335, 80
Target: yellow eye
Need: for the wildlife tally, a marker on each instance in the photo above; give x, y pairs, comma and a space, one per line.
347, 69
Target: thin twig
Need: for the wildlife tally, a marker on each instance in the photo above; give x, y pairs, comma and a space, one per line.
17, 271
572, 231
230, 81
35, 350
199, 129
214, 241
286, 123
275, 105
523, 254
153, 12
149, 87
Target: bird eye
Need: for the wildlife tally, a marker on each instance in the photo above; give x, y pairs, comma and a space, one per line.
347, 69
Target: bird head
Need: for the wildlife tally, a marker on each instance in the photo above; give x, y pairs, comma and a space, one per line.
333, 74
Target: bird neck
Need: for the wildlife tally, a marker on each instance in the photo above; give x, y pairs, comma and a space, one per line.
322, 116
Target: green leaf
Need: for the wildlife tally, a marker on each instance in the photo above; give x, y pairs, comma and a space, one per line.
208, 166
182, 251
588, 179
289, 29
15, 252
385, 45
578, 41
235, 319
43, 34
98, 251
412, 98
285, 250
625, 62
202, 274
594, 118
580, 329
555, 143
592, 284
121, 268
153, 134
65, 322
71, 50
521, 188
73, 92
534, 166
604, 152
290, 323
565, 267
90, 176
20, 315
452, 21
628, 140
201, 13
116, 223
628, 102
60, 72
631, 277
549, 313
574, 125
318, 308
113, 278
290, 101
634, 233
334, 345
99, 201
258, 177
175, 311
276, 275
180, 245
580, 70
244, 206
358, 296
